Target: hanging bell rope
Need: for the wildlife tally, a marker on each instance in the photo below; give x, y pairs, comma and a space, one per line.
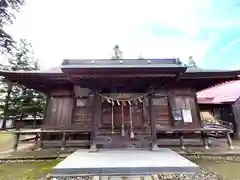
123, 103
131, 123
112, 118
122, 130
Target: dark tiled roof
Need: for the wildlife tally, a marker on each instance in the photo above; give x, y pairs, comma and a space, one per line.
197, 70
121, 63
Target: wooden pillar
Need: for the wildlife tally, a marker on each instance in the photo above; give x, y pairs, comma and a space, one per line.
40, 140
153, 123
204, 139
16, 141
96, 100
182, 141
63, 140
229, 140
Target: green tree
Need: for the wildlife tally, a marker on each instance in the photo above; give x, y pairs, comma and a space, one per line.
30, 103
23, 57
20, 101
7, 8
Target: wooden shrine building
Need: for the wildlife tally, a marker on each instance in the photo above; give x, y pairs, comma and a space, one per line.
119, 103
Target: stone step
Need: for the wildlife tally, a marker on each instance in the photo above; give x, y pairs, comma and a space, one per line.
153, 177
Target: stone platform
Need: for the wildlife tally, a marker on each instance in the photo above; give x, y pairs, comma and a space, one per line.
123, 162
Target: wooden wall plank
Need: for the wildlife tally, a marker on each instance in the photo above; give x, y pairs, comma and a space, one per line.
59, 112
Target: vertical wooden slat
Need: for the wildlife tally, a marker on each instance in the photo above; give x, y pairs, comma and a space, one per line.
46, 109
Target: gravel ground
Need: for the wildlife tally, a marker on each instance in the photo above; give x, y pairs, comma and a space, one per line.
202, 176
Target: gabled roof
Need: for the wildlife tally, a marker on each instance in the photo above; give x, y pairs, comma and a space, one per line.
222, 93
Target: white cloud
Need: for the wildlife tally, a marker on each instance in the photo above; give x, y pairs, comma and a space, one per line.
230, 44
88, 29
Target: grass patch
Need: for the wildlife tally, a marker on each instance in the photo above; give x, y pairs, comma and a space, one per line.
229, 170
44, 153
26, 171
5, 141
4, 138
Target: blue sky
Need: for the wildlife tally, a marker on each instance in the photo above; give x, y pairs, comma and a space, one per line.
208, 30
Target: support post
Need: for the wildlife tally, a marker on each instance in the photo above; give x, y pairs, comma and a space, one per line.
205, 142
181, 141
95, 105
229, 140
63, 141
41, 140
16, 141
153, 123
36, 139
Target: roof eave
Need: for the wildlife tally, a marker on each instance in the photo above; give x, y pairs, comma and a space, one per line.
215, 74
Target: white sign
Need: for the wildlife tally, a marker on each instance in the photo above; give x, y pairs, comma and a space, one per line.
81, 102
187, 116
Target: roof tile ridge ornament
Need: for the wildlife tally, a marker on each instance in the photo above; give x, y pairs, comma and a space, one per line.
191, 62
178, 61
117, 53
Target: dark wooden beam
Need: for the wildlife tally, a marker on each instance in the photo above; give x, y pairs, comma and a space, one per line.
96, 100
120, 75
16, 141
152, 121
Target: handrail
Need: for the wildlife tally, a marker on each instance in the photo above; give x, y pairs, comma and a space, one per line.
225, 124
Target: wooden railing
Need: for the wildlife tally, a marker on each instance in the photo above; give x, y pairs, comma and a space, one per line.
217, 123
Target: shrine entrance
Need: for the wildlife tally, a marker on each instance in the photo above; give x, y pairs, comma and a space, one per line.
124, 124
